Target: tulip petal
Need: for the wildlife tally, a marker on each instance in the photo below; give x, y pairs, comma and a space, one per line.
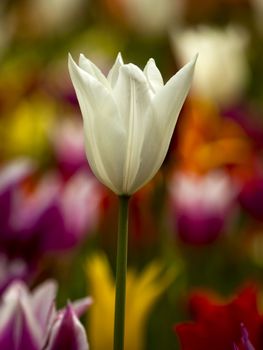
103, 150
30, 335
42, 303
132, 95
153, 76
92, 69
18, 327
15, 172
68, 333
80, 306
166, 105
114, 71
10, 176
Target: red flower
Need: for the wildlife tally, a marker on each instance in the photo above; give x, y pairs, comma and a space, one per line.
234, 325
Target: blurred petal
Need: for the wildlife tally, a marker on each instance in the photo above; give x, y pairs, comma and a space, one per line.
43, 299
68, 333
15, 172
18, 329
142, 292
81, 306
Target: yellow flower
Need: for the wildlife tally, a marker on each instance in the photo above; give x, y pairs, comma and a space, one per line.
28, 128
142, 291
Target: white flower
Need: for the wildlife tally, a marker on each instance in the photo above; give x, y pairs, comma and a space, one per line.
211, 193
129, 118
222, 69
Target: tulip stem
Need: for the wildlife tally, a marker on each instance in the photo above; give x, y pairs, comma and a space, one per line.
120, 294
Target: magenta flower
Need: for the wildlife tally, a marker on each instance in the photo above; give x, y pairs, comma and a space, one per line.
29, 320
200, 206
10, 177
54, 216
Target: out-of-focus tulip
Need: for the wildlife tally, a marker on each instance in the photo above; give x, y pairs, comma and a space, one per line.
30, 320
143, 290
68, 141
52, 216
56, 216
200, 206
207, 141
222, 51
28, 128
127, 136
229, 326
11, 176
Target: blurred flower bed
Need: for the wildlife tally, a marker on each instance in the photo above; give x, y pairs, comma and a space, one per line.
195, 266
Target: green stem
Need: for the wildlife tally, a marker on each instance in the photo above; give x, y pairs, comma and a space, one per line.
121, 268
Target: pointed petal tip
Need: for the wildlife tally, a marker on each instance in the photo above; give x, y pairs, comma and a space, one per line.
89, 301
150, 62
83, 59
190, 66
192, 62
119, 58
71, 62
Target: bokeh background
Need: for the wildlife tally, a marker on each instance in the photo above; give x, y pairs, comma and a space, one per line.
198, 224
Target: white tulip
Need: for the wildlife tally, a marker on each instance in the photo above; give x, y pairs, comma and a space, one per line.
129, 118
222, 69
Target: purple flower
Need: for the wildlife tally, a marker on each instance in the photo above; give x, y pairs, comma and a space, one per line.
200, 206
10, 177
30, 320
54, 216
